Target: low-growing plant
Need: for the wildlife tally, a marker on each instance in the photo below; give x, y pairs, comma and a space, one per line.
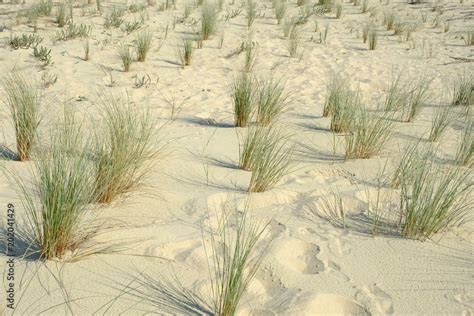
368, 134
43, 54
23, 101
242, 97
465, 151
185, 52
463, 90
130, 27
439, 123
433, 199
208, 20
271, 100
73, 31
125, 54
25, 41
124, 148
271, 157
143, 42
42, 8
114, 18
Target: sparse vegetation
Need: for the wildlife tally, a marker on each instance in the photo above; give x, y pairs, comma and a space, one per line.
43, 54
25, 41
208, 20
235, 259
73, 31
271, 100
251, 12
62, 180
463, 90
270, 157
418, 95
434, 198
368, 134
439, 123
280, 10
465, 151
143, 42
23, 101
294, 42
242, 97
336, 87
185, 52
125, 54
124, 148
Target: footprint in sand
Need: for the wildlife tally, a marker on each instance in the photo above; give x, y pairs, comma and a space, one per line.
325, 304
376, 299
300, 256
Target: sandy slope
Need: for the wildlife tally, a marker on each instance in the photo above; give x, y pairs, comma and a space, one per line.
312, 266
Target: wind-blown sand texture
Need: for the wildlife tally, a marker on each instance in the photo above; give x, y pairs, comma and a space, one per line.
314, 265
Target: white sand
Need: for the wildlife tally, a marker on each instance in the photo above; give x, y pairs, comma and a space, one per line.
312, 266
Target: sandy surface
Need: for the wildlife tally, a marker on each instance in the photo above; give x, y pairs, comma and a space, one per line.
312, 266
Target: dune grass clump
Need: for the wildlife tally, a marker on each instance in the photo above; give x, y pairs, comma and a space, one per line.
143, 42
23, 100
208, 20
185, 52
417, 97
434, 199
465, 151
463, 90
61, 15
63, 177
410, 160
125, 54
266, 154
250, 54
368, 134
124, 148
335, 88
439, 123
280, 10
344, 110
243, 89
372, 36
271, 99
235, 259
397, 93
251, 12
294, 42
288, 25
